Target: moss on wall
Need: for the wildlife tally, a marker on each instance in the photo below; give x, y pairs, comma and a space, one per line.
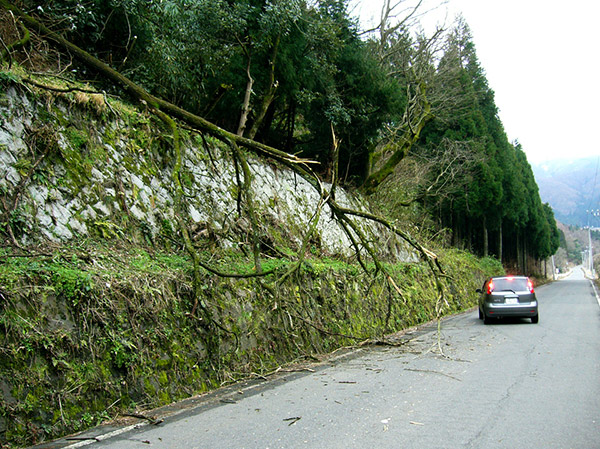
89, 332
99, 325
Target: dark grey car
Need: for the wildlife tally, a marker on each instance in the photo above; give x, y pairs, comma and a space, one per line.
507, 296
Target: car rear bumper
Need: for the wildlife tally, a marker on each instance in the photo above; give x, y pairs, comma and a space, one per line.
529, 309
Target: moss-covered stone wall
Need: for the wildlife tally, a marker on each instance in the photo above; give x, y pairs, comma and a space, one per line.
101, 311
83, 168
86, 339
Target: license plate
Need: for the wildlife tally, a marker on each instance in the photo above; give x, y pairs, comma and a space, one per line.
512, 300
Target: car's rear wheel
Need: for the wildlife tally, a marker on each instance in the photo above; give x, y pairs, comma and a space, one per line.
486, 320
480, 314
535, 319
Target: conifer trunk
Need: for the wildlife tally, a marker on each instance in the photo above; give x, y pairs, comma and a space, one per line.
500, 243
485, 238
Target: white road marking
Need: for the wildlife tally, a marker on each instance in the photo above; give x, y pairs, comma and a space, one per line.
595, 292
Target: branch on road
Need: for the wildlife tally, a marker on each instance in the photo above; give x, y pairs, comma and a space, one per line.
293, 420
432, 372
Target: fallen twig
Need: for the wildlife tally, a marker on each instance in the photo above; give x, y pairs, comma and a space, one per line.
371, 342
151, 419
82, 438
297, 370
293, 420
432, 372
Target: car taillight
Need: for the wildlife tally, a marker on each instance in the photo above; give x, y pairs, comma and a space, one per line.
490, 288
530, 286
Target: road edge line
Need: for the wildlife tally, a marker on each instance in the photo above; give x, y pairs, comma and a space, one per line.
105, 436
595, 291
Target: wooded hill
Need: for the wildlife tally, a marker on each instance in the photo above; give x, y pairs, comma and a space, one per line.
125, 105
570, 186
407, 118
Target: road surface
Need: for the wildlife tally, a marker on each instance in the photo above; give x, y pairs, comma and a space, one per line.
508, 385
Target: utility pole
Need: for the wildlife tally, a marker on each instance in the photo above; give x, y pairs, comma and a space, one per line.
591, 256
592, 213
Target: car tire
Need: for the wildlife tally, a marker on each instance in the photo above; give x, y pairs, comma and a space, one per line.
480, 314
535, 319
486, 320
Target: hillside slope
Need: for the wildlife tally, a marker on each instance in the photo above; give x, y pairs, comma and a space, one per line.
571, 187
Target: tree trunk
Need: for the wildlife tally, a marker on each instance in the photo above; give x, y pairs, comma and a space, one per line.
269, 96
400, 147
524, 243
500, 243
246, 104
485, 238
469, 236
290, 125
15, 46
519, 258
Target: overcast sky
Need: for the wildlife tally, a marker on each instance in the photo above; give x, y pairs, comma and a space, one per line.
542, 59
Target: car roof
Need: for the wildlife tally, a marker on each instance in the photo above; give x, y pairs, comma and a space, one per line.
509, 276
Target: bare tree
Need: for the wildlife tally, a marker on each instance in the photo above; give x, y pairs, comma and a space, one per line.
429, 176
432, 89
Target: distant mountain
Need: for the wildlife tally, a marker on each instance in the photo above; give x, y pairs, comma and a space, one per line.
571, 187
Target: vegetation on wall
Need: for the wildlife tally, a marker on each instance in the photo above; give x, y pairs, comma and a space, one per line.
111, 325
132, 320
95, 331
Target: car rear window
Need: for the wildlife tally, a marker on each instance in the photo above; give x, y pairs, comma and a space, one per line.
515, 284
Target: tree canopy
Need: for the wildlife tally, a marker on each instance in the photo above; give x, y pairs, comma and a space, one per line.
291, 74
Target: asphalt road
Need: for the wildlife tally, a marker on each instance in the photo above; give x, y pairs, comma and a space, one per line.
508, 385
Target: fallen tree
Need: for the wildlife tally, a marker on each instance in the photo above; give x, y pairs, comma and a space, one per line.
166, 111
379, 283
